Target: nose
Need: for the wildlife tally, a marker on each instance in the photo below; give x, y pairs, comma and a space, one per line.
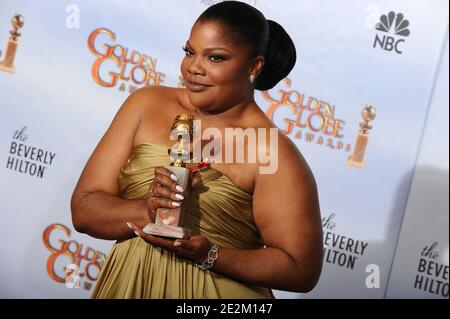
196, 67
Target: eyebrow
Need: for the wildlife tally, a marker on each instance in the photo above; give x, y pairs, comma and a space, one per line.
209, 49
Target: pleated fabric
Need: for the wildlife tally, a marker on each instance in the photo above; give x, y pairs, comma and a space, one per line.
216, 209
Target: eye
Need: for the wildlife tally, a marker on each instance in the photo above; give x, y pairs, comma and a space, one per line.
216, 58
187, 51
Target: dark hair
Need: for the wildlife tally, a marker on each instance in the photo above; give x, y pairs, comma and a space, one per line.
266, 37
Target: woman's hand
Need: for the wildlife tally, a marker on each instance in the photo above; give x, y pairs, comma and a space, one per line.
164, 192
195, 248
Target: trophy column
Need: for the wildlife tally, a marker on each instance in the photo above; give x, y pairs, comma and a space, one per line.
7, 64
168, 221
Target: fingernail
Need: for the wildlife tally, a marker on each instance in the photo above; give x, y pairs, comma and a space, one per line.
129, 225
177, 243
174, 177
179, 196
136, 232
176, 204
179, 188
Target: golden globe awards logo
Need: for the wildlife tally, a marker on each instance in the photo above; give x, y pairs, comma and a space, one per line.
116, 63
394, 28
311, 119
69, 262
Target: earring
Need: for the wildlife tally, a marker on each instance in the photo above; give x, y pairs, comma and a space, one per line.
252, 79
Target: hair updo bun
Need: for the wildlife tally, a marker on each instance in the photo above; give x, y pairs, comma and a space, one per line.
266, 37
280, 57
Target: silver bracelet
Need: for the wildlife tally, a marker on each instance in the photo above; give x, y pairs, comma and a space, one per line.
213, 254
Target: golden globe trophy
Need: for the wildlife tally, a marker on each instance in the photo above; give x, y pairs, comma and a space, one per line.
7, 64
362, 139
168, 221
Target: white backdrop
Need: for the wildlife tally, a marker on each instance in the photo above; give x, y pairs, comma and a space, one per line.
421, 259
57, 110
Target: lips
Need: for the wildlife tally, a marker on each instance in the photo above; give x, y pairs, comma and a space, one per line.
196, 87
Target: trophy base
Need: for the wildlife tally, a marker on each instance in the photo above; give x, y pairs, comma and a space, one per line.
353, 163
7, 69
167, 231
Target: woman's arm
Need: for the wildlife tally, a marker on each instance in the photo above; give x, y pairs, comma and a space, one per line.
286, 211
103, 215
287, 214
97, 210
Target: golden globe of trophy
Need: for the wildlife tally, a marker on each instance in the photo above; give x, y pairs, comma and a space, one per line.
7, 64
362, 139
168, 221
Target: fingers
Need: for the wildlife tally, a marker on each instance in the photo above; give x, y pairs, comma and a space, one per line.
195, 248
161, 170
186, 243
195, 181
131, 226
166, 178
164, 191
161, 191
160, 241
159, 202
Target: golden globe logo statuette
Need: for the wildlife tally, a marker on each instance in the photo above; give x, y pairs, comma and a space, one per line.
169, 220
362, 139
7, 64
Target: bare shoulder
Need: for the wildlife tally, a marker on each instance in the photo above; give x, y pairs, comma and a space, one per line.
149, 97
158, 105
290, 152
159, 100
293, 161
289, 161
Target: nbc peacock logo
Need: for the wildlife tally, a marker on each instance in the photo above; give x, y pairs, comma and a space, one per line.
395, 28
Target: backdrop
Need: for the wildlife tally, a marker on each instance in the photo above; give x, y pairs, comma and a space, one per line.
76, 62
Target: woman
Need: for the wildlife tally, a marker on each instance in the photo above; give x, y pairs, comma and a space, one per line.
252, 232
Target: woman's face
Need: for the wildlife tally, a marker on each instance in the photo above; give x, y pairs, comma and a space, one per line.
221, 67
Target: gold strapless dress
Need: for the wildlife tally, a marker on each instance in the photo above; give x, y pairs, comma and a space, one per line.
216, 209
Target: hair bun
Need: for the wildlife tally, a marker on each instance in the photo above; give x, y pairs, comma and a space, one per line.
280, 57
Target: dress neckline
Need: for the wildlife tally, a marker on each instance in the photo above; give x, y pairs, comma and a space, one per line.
209, 167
